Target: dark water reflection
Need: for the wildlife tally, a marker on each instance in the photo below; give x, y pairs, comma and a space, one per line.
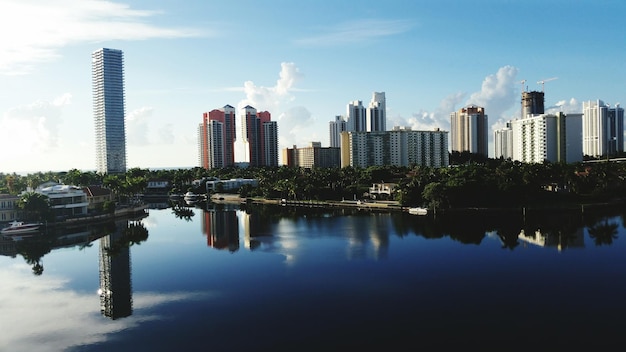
267, 278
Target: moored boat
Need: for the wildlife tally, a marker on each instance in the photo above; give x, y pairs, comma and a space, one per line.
20, 227
418, 211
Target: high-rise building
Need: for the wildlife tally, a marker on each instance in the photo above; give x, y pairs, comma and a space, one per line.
259, 136
376, 115
398, 147
532, 103
216, 137
602, 129
109, 110
503, 142
335, 129
547, 137
356, 119
468, 130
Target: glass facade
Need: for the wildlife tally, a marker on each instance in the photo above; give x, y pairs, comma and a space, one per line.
109, 110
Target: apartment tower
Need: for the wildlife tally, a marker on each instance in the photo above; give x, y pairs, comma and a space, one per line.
356, 119
603, 129
109, 110
259, 137
335, 129
375, 115
216, 138
468, 130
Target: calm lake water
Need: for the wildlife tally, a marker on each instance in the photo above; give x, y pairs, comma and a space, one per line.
275, 278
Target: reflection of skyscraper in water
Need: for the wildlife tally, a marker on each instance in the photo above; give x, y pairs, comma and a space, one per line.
558, 239
221, 229
367, 239
254, 226
115, 282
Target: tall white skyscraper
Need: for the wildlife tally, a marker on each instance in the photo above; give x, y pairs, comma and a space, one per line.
603, 129
376, 113
356, 121
109, 110
335, 129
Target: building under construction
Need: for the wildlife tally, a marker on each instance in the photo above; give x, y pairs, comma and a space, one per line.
532, 103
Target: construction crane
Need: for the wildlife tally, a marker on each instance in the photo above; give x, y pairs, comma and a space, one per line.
543, 82
523, 82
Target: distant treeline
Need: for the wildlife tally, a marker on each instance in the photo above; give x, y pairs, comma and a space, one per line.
481, 182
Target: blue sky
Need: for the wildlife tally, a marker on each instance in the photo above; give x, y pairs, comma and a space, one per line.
303, 61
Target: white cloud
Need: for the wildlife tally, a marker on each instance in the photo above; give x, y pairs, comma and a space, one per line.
293, 122
166, 134
138, 126
357, 31
566, 106
272, 98
64, 318
428, 121
498, 92
294, 126
38, 29
32, 129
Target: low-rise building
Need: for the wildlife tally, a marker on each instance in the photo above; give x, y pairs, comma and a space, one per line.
65, 200
217, 185
382, 190
8, 207
157, 187
97, 196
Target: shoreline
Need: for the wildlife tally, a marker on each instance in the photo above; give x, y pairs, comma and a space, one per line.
394, 206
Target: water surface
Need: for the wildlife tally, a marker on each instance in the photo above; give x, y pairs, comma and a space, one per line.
277, 278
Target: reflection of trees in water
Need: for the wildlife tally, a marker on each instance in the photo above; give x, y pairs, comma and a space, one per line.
33, 249
603, 233
182, 212
134, 233
508, 237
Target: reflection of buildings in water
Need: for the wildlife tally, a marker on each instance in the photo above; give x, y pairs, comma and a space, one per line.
157, 203
559, 240
115, 281
80, 238
8, 247
361, 234
221, 229
255, 230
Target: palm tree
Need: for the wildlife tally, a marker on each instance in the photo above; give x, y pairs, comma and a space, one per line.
603, 233
35, 206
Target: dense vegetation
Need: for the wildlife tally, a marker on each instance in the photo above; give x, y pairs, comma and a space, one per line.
475, 183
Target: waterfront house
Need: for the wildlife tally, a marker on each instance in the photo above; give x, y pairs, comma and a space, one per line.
65, 200
382, 190
8, 207
97, 196
157, 187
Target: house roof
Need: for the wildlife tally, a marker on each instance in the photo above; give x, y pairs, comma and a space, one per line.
95, 191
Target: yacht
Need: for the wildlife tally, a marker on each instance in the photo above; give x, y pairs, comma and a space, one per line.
19, 227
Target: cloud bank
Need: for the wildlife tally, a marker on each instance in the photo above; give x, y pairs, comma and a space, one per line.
357, 31
56, 24
40, 119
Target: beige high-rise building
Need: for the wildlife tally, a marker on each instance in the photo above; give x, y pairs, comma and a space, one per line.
398, 147
468, 130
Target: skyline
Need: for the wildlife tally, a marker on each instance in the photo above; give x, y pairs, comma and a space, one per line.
429, 57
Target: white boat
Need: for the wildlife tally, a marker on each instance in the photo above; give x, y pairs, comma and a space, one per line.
190, 196
20, 227
418, 211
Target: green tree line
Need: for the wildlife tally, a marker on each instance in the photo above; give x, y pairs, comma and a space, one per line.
481, 183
